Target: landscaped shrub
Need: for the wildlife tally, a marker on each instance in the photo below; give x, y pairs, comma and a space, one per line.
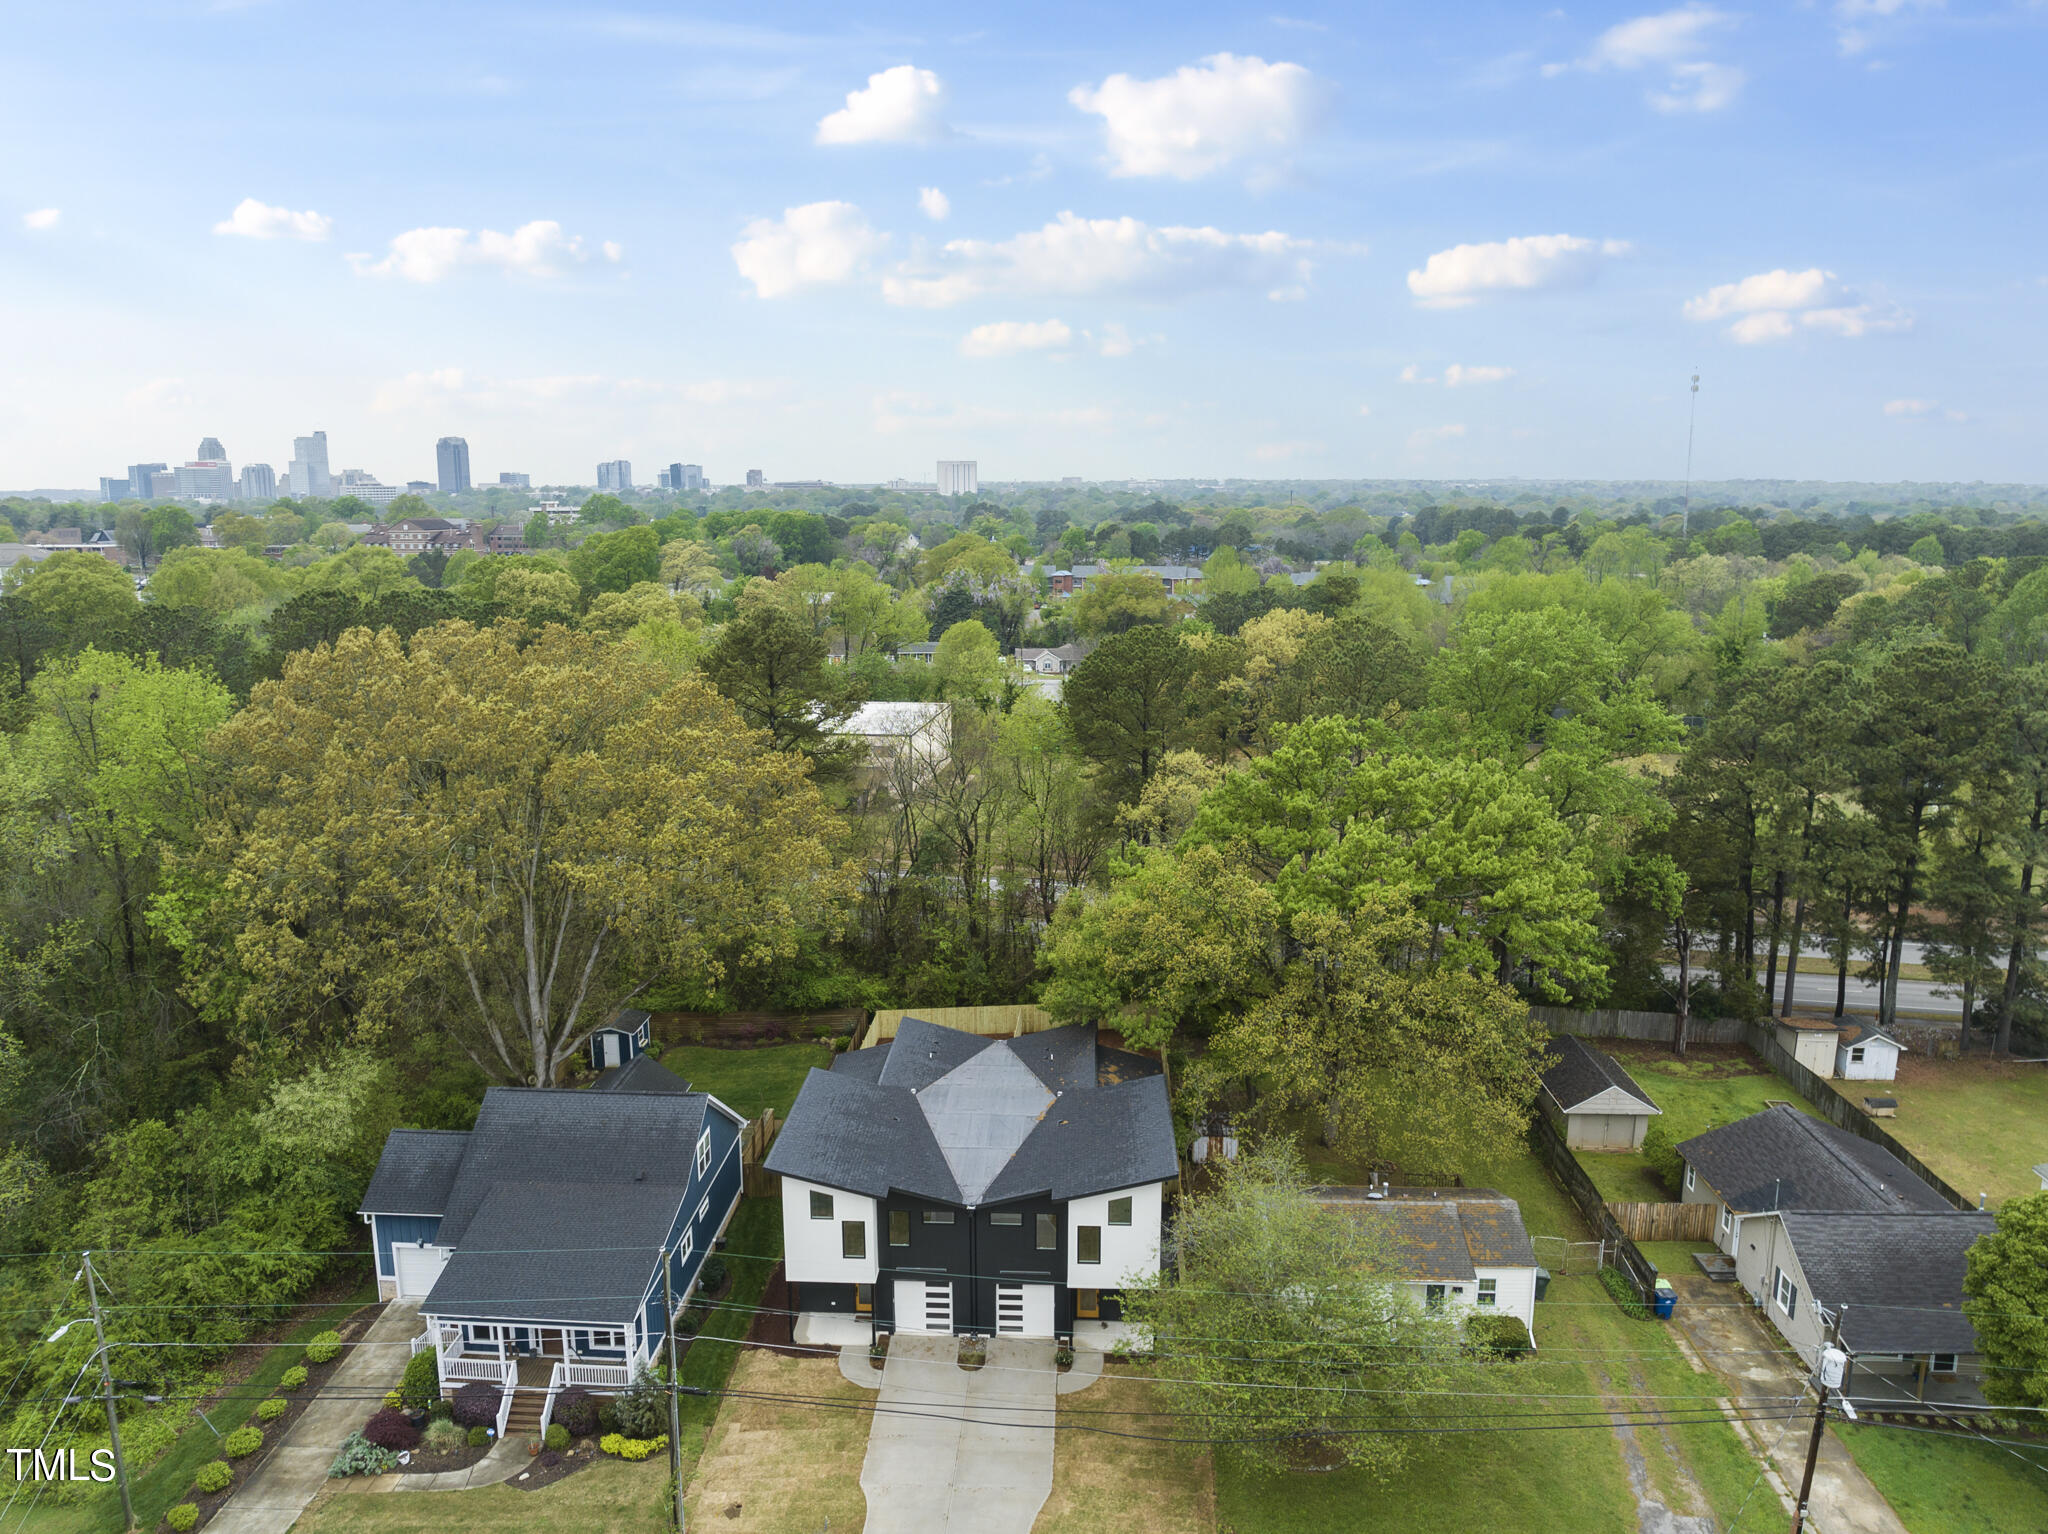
1505, 1335
393, 1399
556, 1437
1624, 1293
422, 1382
442, 1410
643, 1410
182, 1517
272, 1409
712, 1276
479, 1436
635, 1449
608, 1416
242, 1442
576, 1410
359, 1456
293, 1378
443, 1437
1661, 1152
476, 1404
213, 1476
323, 1347
392, 1429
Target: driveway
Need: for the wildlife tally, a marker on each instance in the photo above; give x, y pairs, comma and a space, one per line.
961, 1450
1735, 1341
274, 1497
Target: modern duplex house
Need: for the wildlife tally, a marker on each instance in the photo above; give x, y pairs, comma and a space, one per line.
944, 1182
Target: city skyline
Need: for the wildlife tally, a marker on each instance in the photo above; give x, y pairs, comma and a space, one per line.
1340, 242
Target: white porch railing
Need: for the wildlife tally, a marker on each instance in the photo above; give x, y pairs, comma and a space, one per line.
547, 1407
595, 1376
475, 1368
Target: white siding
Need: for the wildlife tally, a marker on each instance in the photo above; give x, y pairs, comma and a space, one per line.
1128, 1251
1514, 1294
1813, 1048
1700, 1193
1762, 1252
811, 1248
1880, 1061
1606, 1131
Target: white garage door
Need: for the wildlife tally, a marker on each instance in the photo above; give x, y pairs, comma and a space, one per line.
417, 1267
923, 1307
1024, 1310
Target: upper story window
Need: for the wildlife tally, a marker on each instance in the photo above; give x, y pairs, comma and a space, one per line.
1048, 1233
703, 1152
1006, 1217
853, 1240
1088, 1243
938, 1217
821, 1205
1120, 1210
899, 1227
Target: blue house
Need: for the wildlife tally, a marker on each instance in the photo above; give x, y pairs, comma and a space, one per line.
539, 1235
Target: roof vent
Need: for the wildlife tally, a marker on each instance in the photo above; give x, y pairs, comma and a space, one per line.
639, 1177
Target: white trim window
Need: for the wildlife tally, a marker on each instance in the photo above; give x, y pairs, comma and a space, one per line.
1688, 1177
704, 1208
1488, 1294
1942, 1363
1786, 1293
1727, 1219
704, 1153
1856, 1054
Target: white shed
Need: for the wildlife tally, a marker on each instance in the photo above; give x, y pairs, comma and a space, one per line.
1810, 1041
1864, 1054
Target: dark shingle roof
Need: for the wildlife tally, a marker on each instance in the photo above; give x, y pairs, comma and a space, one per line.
642, 1073
1092, 1140
1864, 1033
848, 1133
1782, 1159
1442, 1233
862, 1064
1582, 1074
1900, 1276
415, 1171
558, 1251
922, 1052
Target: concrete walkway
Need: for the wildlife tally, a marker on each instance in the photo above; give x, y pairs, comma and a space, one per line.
1735, 1341
297, 1468
507, 1458
961, 1450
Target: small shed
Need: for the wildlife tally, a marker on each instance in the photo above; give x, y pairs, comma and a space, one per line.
1864, 1054
1811, 1041
620, 1040
1595, 1104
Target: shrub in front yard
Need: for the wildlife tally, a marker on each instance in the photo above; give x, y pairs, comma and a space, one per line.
182, 1517
479, 1436
442, 1410
272, 1409
576, 1410
476, 1404
443, 1437
634, 1449
293, 1378
213, 1476
392, 1429
643, 1410
556, 1437
1505, 1335
608, 1416
712, 1275
422, 1383
359, 1456
242, 1442
323, 1347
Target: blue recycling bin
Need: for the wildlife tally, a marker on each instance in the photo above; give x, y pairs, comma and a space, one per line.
1667, 1299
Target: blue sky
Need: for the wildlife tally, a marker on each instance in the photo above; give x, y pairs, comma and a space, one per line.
843, 241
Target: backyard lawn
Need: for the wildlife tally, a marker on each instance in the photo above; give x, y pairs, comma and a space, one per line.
1943, 1485
1979, 1123
748, 1080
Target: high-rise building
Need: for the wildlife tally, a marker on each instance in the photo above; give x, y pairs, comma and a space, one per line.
210, 451
959, 476
451, 459
140, 477
689, 476
308, 473
259, 482
515, 481
615, 475
207, 479
756, 480
113, 489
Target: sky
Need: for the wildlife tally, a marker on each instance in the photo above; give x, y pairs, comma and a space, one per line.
844, 241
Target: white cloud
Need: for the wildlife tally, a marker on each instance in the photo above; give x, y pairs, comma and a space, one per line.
259, 221
1074, 256
1005, 338
1857, 21
1910, 408
1365, 410
42, 218
538, 249
816, 245
1203, 117
1413, 374
936, 205
903, 105
614, 251
1776, 305
1280, 452
1674, 43
1452, 278
161, 394
1456, 376
1115, 340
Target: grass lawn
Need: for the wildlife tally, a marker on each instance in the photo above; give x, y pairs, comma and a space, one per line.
756, 1230
785, 1469
1979, 1123
1128, 1485
747, 1080
1953, 1485
609, 1498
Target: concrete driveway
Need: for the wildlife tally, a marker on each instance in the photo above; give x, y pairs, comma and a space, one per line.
274, 1497
961, 1450
1735, 1341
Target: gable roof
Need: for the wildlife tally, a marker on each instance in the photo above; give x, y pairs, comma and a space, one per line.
1439, 1234
1784, 1159
962, 1119
558, 1251
1896, 1279
1864, 1033
415, 1171
1589, 1080
642, 1073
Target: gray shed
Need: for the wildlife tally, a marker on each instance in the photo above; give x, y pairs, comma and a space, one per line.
1594, 1103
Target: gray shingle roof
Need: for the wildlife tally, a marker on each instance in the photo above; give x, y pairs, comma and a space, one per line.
558, 1251
642, 1073
1900, 1276
1443, 1233
922, 1052
1783, 1159
1582, 1074
415, 1171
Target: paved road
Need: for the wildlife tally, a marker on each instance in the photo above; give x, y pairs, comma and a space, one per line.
957, 1451
1817, 993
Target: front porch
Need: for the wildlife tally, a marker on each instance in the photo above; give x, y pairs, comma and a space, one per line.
532, 1363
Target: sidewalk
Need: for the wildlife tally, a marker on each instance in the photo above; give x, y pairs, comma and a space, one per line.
275, 1496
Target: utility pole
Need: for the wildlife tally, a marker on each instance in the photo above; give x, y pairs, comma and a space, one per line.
1833, 1367
99, 1336
675, 1420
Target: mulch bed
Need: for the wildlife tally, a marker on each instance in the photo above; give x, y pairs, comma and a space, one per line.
773, 1326
420, 1462
552, 1465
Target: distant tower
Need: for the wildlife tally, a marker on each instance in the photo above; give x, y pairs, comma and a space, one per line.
210, 451
308, 473
959, 476
451, 458
259, 482
615, 475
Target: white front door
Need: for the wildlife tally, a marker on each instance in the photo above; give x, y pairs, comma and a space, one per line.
1024, 1310
923, 1307
417, 1267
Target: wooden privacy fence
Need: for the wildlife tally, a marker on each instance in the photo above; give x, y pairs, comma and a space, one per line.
985, 1022
756, 1181
1665, 1222
1649, 1027
1564, 1166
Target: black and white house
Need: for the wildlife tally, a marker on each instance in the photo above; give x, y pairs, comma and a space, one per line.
944, 1182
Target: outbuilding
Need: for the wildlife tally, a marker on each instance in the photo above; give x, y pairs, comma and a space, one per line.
1864, 1054
1595, 1104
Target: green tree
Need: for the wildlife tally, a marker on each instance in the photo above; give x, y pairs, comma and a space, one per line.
1118, 601
80, 595
217, 580
2005, 1296
1127, 704
150, 532
969, 665
773, 667
1927, 551
616, 561
367, 572
1224, 574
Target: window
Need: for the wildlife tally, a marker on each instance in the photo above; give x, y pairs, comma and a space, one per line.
1727, 1219
704, 1208
938, 1217
821, 1205
1048, 1233
1087, 1304
853, 1240
1088, 1243
1433, 1296
1856, 1054
1688, 1177
686, 1246
1487, 1294
1944, 1363
899, 1227
1786, 1293
703, 1152
1008, 1217
1120, 1211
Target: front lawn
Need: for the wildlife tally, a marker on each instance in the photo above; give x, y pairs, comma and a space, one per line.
1979, 1123
611, 1497
784, 1469
1941, 1485
748, 1081
1103, 1481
